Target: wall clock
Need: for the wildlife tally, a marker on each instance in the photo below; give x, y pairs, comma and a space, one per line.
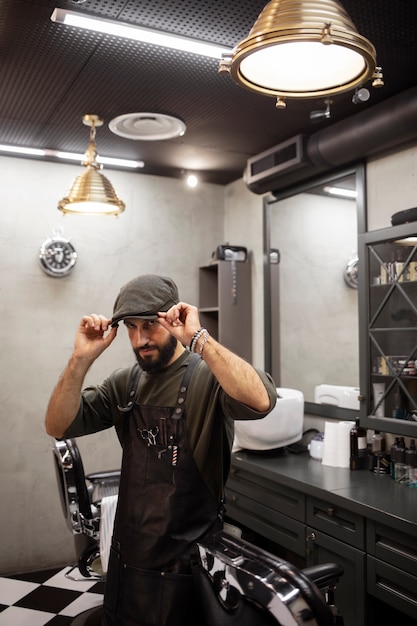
57, 256
351, 272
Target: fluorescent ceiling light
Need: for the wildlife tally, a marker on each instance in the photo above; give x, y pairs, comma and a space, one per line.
20, 150
137, 33
70, 156
119, 162
343, 193
73, 156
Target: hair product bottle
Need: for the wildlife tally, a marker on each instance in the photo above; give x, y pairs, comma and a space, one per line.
400, 467
358, 447
358, 444
377, 442
393, 449
411, 464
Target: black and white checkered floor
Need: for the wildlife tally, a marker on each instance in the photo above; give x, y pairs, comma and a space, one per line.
48, 597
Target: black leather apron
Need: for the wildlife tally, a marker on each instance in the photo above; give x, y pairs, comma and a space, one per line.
164, 507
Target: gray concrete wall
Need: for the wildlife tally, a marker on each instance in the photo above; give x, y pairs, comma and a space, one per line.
166, 228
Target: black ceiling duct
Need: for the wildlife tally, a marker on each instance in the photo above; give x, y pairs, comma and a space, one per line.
383, 126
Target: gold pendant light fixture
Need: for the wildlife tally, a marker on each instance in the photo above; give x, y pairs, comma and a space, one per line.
302, 49
92, 193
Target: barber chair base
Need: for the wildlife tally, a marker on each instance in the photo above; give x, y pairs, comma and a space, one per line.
92, 617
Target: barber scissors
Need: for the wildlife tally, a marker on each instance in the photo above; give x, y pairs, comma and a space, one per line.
149, 435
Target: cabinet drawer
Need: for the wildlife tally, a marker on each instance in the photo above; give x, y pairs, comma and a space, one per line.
269, 493
392, 585
393, 546
266, 521
336, 522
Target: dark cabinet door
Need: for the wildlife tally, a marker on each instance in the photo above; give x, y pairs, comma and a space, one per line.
351, 590
388, 329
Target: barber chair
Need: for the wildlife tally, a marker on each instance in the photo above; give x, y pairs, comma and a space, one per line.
81, 498
243, 585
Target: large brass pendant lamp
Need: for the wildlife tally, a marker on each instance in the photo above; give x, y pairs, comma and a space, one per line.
92, 193
302, 49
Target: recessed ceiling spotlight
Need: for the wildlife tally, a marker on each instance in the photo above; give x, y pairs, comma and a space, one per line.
192, 180
147, 126
361, 95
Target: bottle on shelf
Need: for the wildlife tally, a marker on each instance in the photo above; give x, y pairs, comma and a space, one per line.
400, 409
392, 268
400, 267
358, 447
393, 449
377, 442
400, 474
412, 270
358, 442
411, 464
380, 462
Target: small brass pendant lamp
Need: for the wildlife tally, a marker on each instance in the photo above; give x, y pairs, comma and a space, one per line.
92, 193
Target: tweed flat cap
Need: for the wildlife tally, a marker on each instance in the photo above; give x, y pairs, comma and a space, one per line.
144, 296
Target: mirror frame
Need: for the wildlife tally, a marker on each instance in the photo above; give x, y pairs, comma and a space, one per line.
359, 171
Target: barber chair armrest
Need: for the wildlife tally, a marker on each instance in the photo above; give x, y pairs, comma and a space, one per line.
323, 574
98, 477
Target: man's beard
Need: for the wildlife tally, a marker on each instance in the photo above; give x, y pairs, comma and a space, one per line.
166, 352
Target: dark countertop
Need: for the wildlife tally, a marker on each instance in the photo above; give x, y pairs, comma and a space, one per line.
374, 496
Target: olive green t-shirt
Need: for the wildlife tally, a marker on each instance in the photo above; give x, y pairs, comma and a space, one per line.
209, 411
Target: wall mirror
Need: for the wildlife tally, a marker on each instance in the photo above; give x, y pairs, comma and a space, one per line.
311, 295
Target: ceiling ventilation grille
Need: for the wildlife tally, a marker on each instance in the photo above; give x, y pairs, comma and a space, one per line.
278, 161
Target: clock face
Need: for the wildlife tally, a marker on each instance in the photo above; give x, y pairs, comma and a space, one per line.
57, 256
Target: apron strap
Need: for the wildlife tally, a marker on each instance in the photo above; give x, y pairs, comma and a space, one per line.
180, 406
123, 410
134, 380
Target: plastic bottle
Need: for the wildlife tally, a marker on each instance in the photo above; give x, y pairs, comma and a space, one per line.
400, 467
400, 269
400, 404
377, 442
411, 464
393, 449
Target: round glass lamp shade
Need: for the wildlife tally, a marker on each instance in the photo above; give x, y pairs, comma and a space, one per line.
298, 68
92, 194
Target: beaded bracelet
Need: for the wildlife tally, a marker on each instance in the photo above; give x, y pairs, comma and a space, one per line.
203, 343
195, 338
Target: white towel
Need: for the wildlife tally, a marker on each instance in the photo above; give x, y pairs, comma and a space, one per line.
336, 449
108, 511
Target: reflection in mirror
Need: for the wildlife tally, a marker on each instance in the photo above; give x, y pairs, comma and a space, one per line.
311, 296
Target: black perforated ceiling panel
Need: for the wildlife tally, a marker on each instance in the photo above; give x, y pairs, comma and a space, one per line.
51, 75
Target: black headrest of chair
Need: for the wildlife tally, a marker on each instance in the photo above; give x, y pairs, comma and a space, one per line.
79, 478
71, 477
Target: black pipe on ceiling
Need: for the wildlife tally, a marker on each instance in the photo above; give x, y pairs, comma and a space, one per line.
381, 127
